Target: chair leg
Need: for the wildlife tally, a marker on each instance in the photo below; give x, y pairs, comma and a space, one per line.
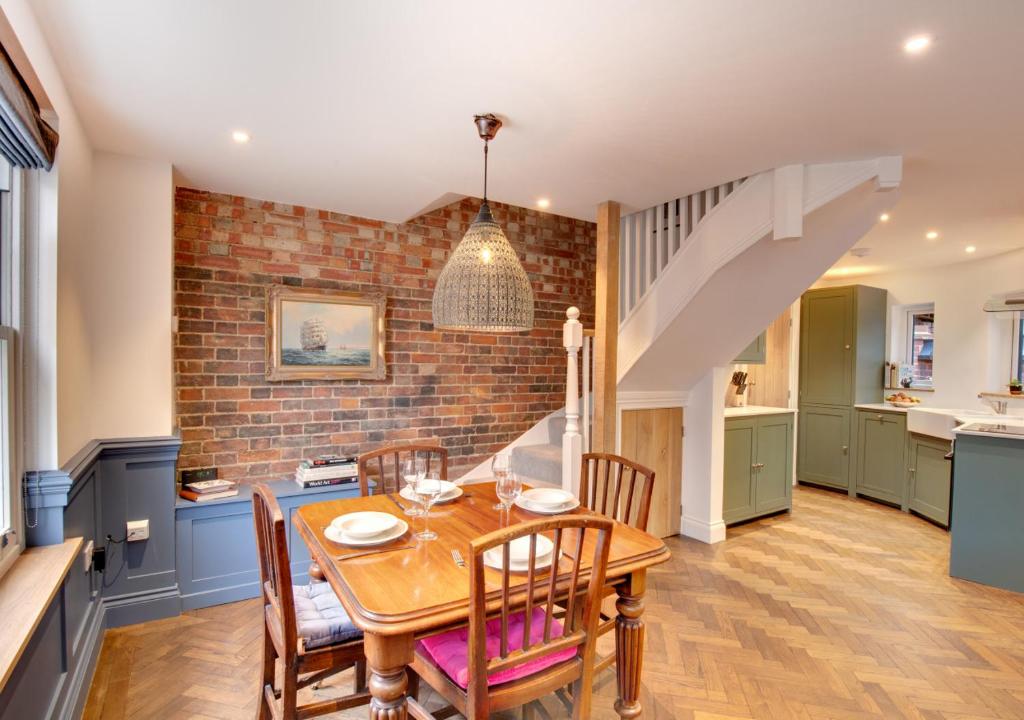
529, 712
267, 676
290, 693
360, 676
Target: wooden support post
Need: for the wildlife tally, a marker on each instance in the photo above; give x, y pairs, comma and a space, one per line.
606, 326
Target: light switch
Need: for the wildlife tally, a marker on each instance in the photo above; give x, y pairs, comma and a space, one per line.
137, 530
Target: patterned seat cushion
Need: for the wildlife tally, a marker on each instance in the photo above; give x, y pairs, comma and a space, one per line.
450, 650
320, 617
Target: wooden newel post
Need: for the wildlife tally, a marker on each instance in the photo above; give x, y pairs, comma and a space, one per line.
572, 441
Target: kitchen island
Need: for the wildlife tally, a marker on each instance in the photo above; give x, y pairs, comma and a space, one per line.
987, 544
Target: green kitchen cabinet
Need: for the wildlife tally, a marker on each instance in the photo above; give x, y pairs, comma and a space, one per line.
823, 446
928, 476
880, 459
758, 466
756, 352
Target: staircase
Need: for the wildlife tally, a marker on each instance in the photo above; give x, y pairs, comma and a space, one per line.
541, 464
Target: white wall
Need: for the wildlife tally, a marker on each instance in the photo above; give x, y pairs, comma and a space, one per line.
972, 347
98, 331
129, 316
704, 458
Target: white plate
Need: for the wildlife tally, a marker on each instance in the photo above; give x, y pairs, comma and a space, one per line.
527, 505
335, 535
451, 494
364, 525
492, 559
548, 497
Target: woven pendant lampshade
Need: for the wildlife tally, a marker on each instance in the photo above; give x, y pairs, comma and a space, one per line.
483, 287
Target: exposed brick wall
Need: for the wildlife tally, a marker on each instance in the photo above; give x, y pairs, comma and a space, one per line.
473, 392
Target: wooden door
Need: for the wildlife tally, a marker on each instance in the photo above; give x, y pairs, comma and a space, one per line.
655, 438
773, 481
739, 472
823, 447
826, 347
881, 442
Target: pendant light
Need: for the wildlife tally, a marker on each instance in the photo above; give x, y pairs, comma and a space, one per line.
483, 287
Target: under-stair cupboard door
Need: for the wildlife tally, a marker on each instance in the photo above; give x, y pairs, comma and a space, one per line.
823, 444
827, 347
738, 487
654, 438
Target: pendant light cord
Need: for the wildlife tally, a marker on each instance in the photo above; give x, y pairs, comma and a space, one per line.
486, 145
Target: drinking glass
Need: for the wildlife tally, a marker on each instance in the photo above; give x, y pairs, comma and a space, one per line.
509, 488
413, 469
428, 488
501, 466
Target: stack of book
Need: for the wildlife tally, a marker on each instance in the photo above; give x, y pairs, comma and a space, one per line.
326, 470
206, 490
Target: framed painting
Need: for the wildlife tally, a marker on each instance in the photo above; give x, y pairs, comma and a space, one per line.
315, 334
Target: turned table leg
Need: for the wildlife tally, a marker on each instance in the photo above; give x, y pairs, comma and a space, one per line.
629, 644
386, 658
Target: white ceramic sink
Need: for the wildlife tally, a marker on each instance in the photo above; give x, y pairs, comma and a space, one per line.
939, 422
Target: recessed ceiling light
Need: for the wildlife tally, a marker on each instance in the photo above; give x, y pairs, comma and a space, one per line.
543, 203
884, 217
917, 44
240, 136
970, 249
932, 234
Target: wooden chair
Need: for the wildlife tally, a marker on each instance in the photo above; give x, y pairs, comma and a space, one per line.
560, 655
388, 476
314, 656
622, 492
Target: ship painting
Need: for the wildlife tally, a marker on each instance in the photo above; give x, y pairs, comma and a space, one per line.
313, 335
326, 334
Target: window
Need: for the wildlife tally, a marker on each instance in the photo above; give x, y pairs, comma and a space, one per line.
11, 520
920, 344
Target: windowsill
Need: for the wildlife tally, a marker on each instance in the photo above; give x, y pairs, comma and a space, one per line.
26, 591
912, 389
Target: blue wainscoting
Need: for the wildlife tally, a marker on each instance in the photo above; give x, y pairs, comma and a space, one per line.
196, 555
216, 546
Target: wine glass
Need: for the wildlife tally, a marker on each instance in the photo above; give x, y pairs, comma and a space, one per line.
509, 488
501, 466
428, 488
413, 469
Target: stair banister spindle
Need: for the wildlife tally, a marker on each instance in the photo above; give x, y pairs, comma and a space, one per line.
572, 442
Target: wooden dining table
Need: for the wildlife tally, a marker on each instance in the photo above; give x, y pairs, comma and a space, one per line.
417, 589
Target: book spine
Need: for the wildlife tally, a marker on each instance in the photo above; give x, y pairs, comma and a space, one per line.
323, 482
332, 461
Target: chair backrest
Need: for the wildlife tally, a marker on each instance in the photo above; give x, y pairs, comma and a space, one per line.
543, 590
384, 466
275, 569
617, 487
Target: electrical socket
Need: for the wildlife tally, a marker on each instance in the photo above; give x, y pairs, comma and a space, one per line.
137, 530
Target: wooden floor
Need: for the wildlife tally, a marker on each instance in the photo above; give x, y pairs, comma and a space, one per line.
842, 609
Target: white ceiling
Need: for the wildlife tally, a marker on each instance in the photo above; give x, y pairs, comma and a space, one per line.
366, 107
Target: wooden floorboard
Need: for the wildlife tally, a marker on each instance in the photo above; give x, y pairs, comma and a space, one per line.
842, 610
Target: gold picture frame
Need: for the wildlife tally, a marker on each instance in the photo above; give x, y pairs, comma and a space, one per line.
320, 334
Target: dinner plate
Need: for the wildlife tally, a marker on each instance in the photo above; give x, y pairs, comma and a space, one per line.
548, 497
527, 505
363, 525
446, 497
493, 559
333, 534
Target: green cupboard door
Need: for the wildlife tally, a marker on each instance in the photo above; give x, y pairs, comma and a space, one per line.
881, 444
929, 476
740, 453
823, 446
756, 352
773, 481
826, 347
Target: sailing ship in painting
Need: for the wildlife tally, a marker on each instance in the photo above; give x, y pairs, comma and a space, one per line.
316, 348
313, 335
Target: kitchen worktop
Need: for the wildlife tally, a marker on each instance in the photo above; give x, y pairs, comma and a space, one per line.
1014, 429
880, 407
755, 410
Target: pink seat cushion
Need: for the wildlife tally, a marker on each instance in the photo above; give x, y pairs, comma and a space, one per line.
450, 650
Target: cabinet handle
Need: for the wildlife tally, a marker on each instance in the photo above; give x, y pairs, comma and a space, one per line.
757, 466
847, 347
880, 418
846, 449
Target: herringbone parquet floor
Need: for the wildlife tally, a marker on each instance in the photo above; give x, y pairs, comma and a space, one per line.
841, 610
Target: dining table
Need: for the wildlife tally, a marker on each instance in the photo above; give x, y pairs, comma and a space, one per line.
408, 588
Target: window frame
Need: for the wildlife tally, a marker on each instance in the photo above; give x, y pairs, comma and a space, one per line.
910, 312
12, 518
